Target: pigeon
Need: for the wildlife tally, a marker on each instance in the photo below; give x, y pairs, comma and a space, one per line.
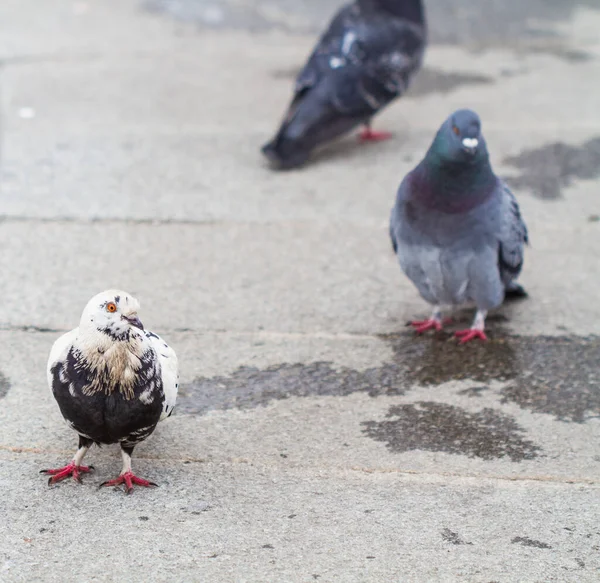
113, 381
457, 229
364, 60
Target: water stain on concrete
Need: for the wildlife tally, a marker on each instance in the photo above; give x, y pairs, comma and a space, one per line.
249, 387
438, 427
4, 386
568, 393
546, 171
529, 542
453, 537
558, 376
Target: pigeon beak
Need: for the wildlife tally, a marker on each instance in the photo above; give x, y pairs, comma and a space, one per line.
134, 321
470, 145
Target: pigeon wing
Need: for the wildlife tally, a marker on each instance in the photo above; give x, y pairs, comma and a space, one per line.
327, 47
513, 238
369, 62
58, 354
169, 370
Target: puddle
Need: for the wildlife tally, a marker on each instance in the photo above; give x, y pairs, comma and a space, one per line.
546, 171
558, 376
438, 427
250, 387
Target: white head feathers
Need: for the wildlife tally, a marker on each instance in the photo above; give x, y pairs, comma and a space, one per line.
112, 312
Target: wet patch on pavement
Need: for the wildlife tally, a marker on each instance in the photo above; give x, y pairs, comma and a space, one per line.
558, 376
4, 386
453, 537
528, 542
546, 171
250, 387
438, 427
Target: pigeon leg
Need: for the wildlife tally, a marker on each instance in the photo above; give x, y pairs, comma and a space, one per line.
476, 330
127, 477
74, 468
435, 322
369, 135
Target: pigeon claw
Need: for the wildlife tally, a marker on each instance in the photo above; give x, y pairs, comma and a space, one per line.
470, 334
129, 480
421, 326
369, 135
59, 474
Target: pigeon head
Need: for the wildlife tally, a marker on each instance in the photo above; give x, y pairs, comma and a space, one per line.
113, 313
460, 139
456, 174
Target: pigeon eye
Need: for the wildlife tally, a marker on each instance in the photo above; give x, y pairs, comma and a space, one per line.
111, 307
456, 130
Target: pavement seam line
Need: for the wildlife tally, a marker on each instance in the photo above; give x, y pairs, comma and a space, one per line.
356, 469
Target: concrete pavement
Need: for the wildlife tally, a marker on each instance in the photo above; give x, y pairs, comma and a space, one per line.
315, 438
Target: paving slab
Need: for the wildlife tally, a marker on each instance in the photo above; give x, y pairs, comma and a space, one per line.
315, 438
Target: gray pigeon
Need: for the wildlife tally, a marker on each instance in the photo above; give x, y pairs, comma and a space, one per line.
456, 228
362, 62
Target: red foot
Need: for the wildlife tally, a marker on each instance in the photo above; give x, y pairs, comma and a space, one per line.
71, 469
129, 479
470, 334
421, 326
369, 135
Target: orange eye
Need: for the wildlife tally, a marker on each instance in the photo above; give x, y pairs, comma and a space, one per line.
111, 307
456, 130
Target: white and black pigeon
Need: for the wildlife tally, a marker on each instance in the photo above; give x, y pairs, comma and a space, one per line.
113, 382
363, 61
456, 228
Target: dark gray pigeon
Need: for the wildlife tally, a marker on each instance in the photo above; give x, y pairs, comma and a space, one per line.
456, 227
364, 60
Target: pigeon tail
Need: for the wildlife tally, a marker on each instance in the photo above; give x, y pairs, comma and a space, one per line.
299, 137
514, 291
284, 153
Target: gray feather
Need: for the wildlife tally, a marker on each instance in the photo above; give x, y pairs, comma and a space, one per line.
457, 229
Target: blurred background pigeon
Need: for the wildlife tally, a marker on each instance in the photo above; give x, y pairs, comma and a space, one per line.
456, 227
364, 60
113, 382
